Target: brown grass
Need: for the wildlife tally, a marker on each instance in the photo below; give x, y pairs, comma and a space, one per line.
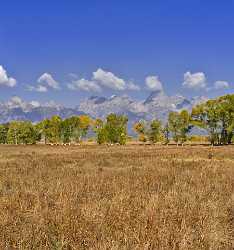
131, 197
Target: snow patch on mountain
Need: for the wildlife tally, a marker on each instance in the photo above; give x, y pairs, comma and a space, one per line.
156, 106
18, 109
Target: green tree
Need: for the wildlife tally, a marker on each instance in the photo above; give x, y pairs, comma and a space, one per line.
174, 126
155, 131
67, 129
116, 128
13, 134
166, 133
100, 131
226, 114
97, 124
3, 133
185, 125
83, 123
28, 133
207, 116
179, 125
102, 135
43, 128
74, 128
55, 129
140, 129
217, 117
22, 132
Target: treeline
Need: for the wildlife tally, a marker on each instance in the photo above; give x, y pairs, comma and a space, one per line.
54, 130
215, 116
70, 130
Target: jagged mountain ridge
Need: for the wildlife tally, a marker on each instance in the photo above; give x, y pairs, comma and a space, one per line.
157, 105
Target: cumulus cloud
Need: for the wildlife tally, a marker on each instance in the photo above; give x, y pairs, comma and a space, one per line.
132, 86
221, 85
35, 104
48, 80
85, 85
153, 83
73, 75
39, 88
109, 80
15, 100
101, 78
194, 81
45, 82
5, 80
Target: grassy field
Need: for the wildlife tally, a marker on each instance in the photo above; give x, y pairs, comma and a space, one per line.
130, 197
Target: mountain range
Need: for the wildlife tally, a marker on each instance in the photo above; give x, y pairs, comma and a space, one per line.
157, 105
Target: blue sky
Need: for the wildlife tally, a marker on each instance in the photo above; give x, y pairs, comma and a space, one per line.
68, 50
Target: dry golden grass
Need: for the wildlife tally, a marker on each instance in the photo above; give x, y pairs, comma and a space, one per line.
130, 197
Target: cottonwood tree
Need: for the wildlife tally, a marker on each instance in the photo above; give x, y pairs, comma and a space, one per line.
206, 116
13, 134
50, 129
75, 128
174, 126
155, 131
114, 130
166, 134
100, 131
21, 132
185, 125
179, 125
43, 130
140, 129
217, 117
28, 133
67, 128
3, 133
55, 129
83, 124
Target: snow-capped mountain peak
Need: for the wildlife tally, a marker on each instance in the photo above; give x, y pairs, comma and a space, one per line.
157, 105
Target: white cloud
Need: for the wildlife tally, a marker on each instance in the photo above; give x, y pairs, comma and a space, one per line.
194, 81
153, 83
109, 80
83, 84
132, 86
48, 80
45, 81
35, 104
39, 88
101, 78
5, 80
221, 85
15, 100
73, 75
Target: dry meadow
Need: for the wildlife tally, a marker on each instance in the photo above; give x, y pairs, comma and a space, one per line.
120, 197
